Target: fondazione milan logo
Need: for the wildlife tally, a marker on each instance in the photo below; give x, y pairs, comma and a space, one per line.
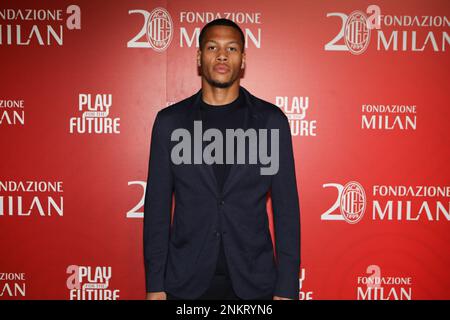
389, 203
389, 32
374, 286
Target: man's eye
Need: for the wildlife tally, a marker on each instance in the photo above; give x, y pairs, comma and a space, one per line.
232, 49
211, 47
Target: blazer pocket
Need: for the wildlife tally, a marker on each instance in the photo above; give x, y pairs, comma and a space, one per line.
262, 257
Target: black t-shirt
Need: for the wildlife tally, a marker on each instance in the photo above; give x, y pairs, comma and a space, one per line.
227, 116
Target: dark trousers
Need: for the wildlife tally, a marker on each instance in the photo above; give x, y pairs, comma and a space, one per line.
219, 289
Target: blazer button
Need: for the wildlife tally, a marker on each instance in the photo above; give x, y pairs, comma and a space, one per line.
222, 202
217, 233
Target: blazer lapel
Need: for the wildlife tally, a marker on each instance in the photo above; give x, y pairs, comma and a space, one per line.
250, 121
206, 171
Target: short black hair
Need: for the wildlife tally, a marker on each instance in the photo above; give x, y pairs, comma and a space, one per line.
221, 22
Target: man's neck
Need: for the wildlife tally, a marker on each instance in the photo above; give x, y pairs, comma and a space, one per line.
219, 96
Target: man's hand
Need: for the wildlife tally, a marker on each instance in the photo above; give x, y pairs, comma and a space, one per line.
280, 298
156, 296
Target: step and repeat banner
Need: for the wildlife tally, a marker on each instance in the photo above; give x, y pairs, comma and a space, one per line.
364, 84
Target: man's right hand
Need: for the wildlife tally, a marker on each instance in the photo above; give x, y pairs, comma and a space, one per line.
156, 296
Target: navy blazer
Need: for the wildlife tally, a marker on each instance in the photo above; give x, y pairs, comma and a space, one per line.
180, 256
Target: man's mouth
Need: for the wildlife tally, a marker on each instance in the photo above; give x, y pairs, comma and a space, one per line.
221, 68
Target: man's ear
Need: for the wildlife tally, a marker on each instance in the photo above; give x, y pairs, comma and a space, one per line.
243, 61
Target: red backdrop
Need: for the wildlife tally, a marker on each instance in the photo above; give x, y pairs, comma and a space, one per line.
364, 83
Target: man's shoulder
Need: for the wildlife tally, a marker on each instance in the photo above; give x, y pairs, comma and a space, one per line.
267, 109
178, 108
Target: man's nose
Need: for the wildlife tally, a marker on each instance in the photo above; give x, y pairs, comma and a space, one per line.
222, 55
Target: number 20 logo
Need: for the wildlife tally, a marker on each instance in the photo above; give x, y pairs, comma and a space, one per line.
351, 202
157, 27
355, 30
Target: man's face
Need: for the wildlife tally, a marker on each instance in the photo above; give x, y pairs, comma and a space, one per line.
221, 58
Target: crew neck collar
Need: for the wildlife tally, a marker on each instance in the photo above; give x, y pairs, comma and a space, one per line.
235, 103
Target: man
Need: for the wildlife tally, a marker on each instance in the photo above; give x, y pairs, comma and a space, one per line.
218, 245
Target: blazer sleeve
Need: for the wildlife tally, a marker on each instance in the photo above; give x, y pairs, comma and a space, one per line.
157, 209
286, 213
